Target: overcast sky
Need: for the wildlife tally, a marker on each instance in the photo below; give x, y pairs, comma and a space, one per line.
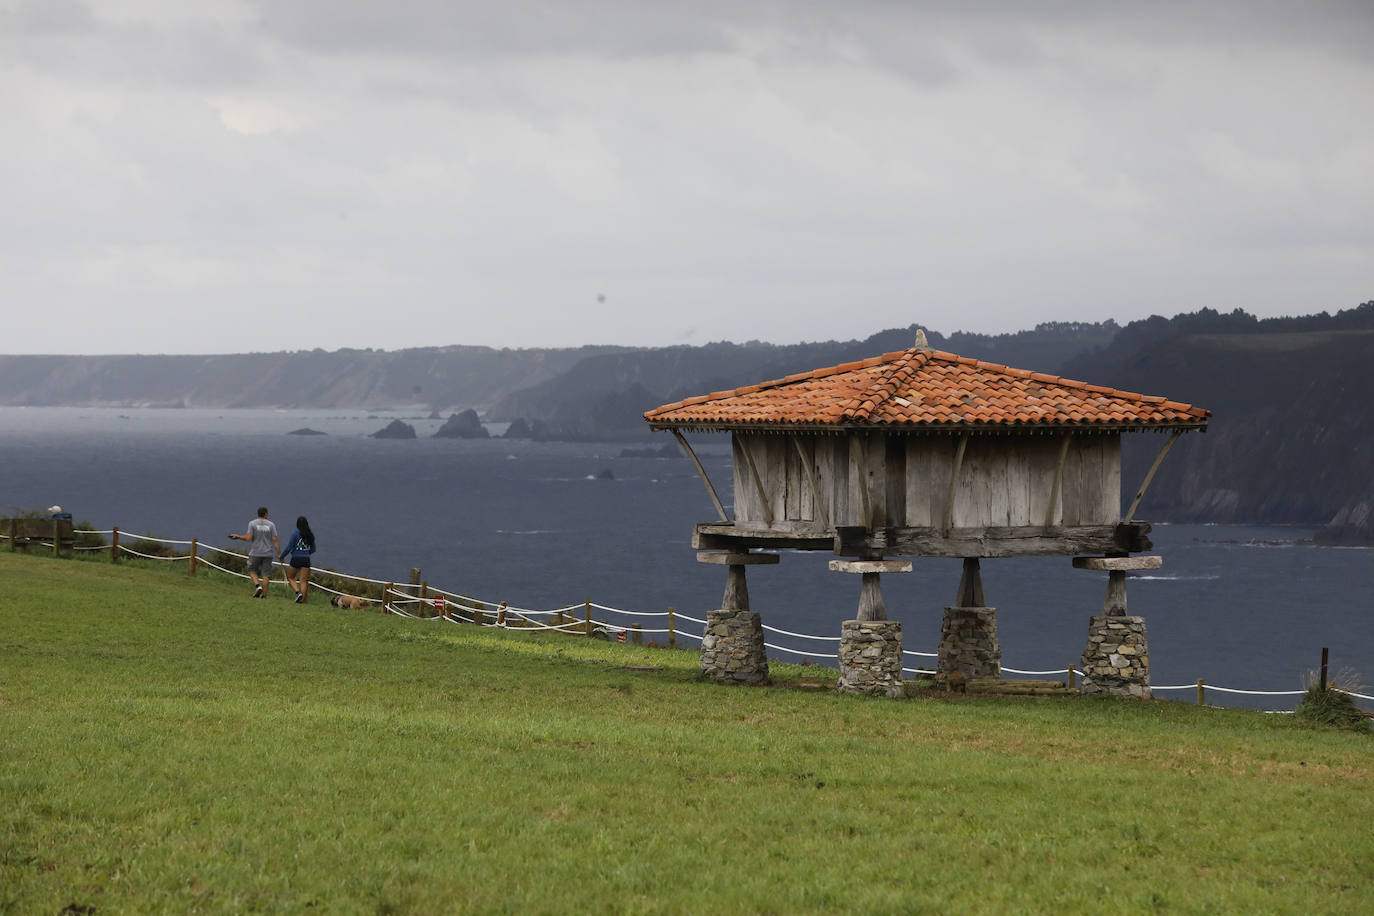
199, 176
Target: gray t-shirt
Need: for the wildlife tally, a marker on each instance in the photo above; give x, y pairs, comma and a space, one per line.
263, 531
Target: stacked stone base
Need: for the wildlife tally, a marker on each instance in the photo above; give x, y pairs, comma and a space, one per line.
732, 650
871, 657
1117, 658
968, 643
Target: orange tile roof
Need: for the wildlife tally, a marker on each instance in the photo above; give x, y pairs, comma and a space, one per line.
930, 389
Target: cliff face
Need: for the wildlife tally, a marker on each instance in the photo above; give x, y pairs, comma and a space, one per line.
1291, 439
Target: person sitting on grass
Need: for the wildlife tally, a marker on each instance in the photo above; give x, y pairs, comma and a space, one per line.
299, 548
263, 546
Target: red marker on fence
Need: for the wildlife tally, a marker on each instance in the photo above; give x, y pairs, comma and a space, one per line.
620, 637
439, 604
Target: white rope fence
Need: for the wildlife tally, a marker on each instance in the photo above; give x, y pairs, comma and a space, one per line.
453, 607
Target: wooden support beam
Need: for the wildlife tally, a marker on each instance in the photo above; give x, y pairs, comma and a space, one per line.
1033, 541
871, 606
1058, 480
1145, 484
817, 504
954, 481
1115, 603
701, 472
764, 503
736, 597
970, 585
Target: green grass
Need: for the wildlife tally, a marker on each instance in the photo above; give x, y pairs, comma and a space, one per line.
168, 744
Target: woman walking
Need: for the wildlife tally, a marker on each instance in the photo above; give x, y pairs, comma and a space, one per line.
299, 549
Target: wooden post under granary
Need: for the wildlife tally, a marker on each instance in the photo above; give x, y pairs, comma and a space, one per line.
923, 453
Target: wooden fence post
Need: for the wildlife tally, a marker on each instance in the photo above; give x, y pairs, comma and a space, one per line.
587, 616
14, 534
386, 593
424, 596
1201, 694
1068, 677
639, 636
195, 543
501, 616
56, 539
672, 631
114, 544
1323, 682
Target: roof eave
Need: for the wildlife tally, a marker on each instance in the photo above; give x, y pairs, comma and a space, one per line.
925, 428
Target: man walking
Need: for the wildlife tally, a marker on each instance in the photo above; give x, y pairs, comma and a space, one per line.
263, 547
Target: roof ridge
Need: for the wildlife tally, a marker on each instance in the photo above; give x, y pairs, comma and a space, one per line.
824, 372
898, 371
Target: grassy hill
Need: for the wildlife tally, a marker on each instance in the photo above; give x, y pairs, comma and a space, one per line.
168, 744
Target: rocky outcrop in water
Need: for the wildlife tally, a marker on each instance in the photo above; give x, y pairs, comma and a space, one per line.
465, 425
396, 429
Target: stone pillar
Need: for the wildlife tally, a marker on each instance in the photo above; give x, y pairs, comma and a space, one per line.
871, 657
732, 649
1117, 658
871, 646
968, 632
968, 643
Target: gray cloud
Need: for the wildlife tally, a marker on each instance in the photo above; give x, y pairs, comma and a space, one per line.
403, 173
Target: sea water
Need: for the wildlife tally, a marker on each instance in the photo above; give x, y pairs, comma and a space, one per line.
542, 525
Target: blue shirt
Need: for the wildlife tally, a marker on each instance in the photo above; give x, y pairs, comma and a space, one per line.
297, 548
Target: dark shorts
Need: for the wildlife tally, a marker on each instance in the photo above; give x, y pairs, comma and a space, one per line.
260, 565
300, 562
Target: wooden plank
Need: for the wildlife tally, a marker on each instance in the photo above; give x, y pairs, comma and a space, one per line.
1071, 493
920, 472
1020, 464
736, 558
724, 536
954, 480
1111, 478
1099, 506
1118, 563
742, 486
995, 541
701, 472
870, 566
823, 451
758, 494
810, 505
843, 512
875, 451
860, 492
1053, 511
894, 475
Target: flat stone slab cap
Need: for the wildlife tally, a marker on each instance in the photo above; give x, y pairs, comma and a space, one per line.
870, 566
736, 558
1117, 564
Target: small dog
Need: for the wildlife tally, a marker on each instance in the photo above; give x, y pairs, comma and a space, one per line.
348, 601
